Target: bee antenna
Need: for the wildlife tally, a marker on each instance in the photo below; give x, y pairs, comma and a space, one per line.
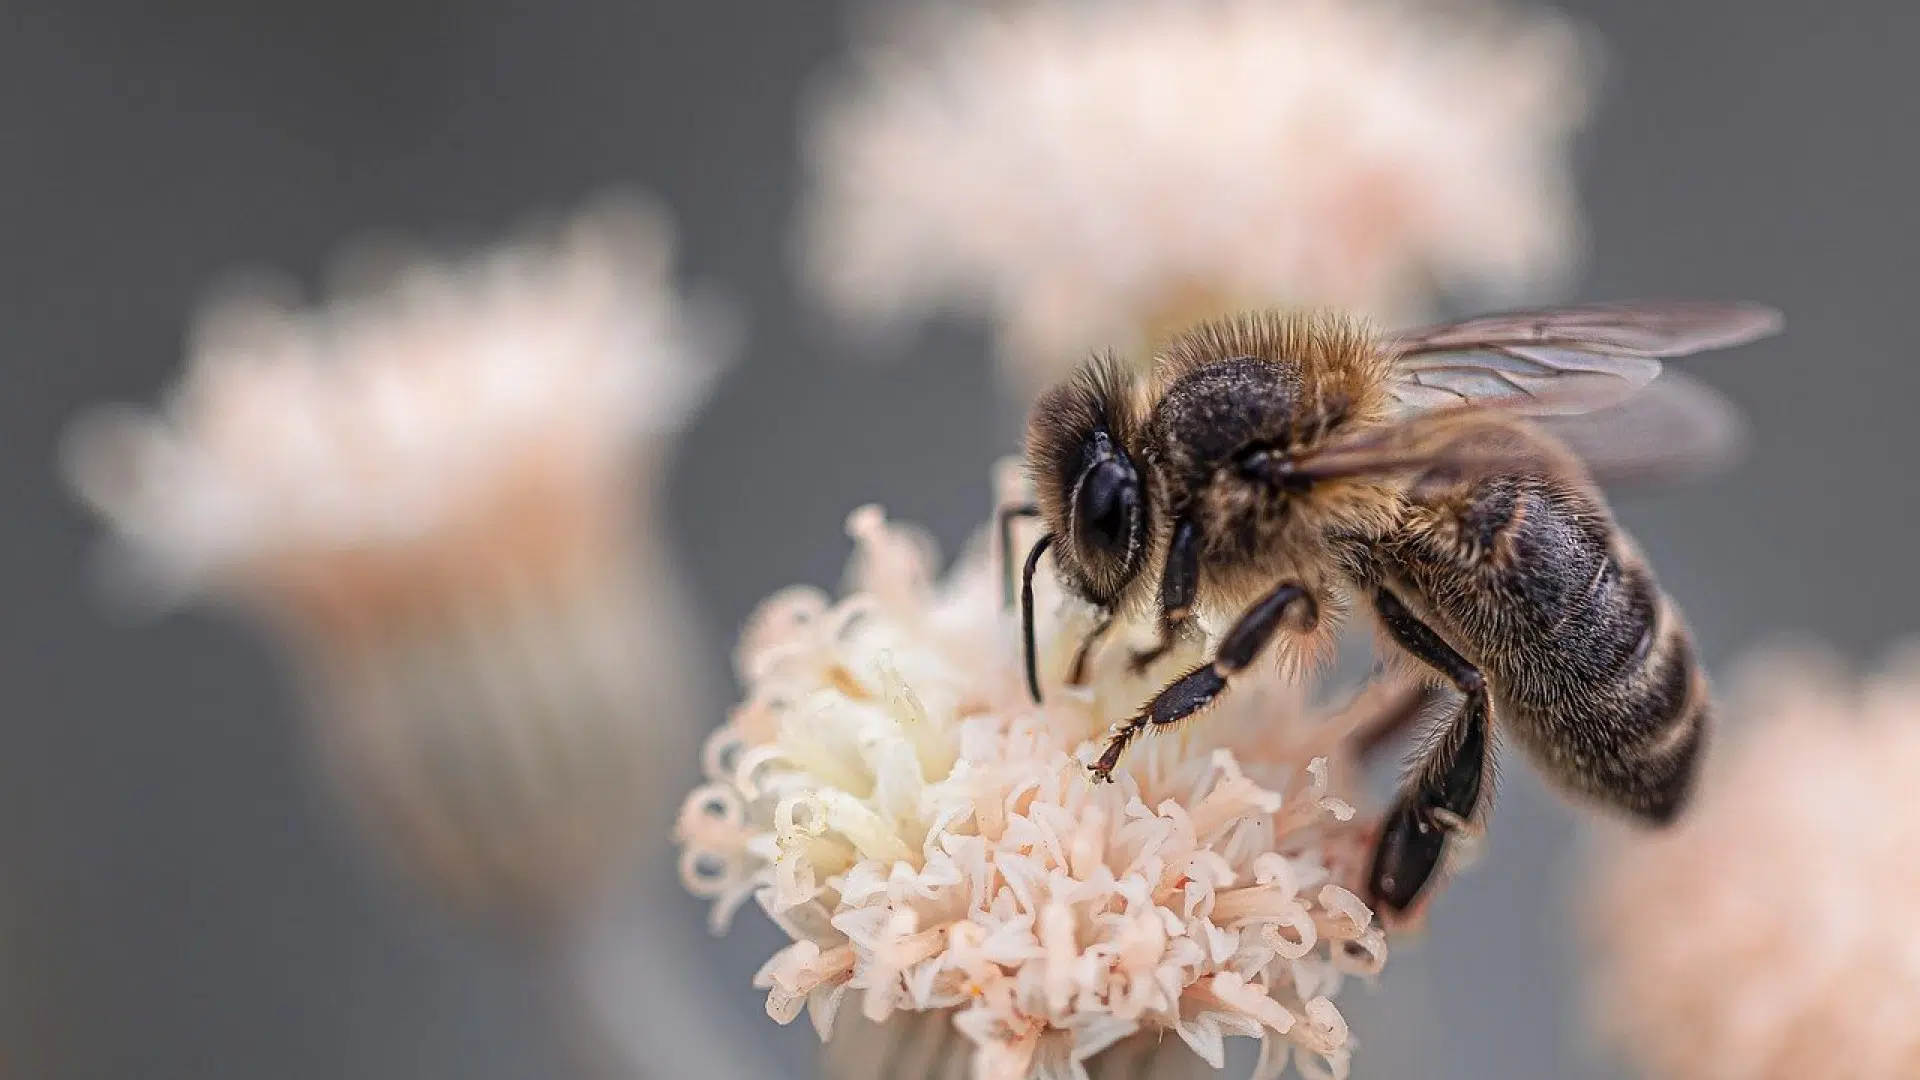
1040, 547
1007, 516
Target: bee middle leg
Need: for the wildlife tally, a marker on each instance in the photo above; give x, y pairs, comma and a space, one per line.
1077, 674
1288, 604
1450, 782
1179, 583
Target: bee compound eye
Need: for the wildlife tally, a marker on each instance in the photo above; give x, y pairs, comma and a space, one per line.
1106, 507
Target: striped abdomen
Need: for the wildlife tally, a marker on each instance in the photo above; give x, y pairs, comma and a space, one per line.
1590, 664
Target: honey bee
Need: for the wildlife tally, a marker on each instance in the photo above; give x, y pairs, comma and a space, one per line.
1277, 468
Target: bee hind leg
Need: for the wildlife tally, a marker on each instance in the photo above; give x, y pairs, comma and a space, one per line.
1445, 796
1289, 604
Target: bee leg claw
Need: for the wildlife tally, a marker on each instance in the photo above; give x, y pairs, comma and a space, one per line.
1122, 734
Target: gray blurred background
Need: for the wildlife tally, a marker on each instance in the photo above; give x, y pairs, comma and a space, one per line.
175, 899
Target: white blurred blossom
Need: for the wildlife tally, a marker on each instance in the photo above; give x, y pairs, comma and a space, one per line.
438, 490
1089, 173
1764, 937
429, 398
931, 841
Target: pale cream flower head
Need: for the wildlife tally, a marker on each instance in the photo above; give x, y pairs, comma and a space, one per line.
931, 840
430, 404
1768, 935
1092, 172
438, 492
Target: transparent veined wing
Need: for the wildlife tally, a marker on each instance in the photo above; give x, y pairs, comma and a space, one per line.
1562, 360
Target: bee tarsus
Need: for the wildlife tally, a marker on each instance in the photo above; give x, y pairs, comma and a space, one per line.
1287, 604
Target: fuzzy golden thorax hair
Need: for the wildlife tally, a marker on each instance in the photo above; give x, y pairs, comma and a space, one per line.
1179, 439
1273, 385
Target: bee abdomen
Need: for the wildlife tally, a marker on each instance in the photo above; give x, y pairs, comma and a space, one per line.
1674, 711
1566, 601
1592, 661
1633, 742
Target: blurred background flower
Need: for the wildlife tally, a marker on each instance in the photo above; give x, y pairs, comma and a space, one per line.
1090, 173
932, 843
439, 492
1767, 937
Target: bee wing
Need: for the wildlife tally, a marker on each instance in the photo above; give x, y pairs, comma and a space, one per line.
1562, 360
1460, 439
1672, 430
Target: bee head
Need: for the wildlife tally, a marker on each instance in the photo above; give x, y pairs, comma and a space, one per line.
1080, 442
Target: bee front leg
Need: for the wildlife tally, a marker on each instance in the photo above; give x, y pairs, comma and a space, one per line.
1449, 784
1179, 584
1289, 604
